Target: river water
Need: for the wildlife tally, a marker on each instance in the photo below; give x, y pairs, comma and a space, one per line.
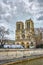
32, 62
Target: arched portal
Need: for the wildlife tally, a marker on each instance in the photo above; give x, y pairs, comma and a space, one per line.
31, 44
22, 43
27, 45
17, 43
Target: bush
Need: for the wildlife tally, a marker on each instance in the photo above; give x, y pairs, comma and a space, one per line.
2, 46
39, 46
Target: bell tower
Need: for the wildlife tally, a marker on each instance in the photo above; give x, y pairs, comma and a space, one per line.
29, 28
19, 28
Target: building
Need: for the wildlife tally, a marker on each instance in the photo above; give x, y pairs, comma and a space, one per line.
38, 36
25, 35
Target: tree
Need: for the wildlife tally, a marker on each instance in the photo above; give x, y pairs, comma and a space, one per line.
3, 32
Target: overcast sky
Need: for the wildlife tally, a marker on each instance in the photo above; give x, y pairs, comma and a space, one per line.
12, 11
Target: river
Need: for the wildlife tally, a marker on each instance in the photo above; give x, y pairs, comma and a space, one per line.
32, 62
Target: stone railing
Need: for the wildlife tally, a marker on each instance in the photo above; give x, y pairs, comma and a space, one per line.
16, 53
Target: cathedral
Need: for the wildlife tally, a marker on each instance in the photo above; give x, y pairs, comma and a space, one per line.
25, 34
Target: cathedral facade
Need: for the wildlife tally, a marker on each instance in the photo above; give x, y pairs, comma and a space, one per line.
25, 34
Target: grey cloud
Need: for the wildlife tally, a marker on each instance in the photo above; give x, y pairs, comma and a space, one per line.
41, 12
0, 18
31, 0
20, 7
9, 2
40, 1
40, 18
5, 1
1, 10
8, 18
6, 12
20, 12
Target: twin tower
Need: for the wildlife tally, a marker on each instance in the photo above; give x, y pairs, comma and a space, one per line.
25, 34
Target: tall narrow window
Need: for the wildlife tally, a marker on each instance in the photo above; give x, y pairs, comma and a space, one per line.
18, 27
28, 25
22, 27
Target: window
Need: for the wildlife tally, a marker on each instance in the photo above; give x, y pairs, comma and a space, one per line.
23, 36
18, 37
31, 43
28, 25
18, 27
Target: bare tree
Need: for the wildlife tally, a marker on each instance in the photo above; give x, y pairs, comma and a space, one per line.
3, 32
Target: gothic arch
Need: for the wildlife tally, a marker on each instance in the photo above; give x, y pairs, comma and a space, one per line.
22, 43
27, 44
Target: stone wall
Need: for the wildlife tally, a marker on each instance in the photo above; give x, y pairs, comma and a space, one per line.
16, 53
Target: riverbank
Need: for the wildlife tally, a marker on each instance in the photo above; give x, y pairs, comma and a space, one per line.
19, 55
20, 60
6, 54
